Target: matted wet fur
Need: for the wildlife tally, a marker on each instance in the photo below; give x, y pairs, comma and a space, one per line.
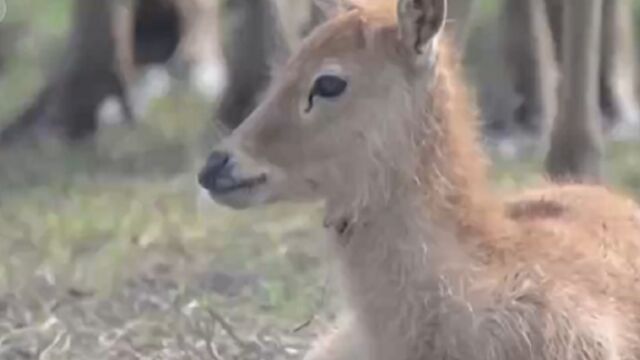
434, 264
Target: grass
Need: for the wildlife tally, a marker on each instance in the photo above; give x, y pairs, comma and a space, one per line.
107, 250
622, 169
98, 218
105, 219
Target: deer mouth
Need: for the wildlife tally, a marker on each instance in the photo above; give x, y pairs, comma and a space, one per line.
237, 193
227, 185
219, 177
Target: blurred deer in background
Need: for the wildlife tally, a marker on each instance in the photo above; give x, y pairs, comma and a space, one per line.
535, 42
109, 46
592, 41
200, 49
434, 265
256, 39
181, 35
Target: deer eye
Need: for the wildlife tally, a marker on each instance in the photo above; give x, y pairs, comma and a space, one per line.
328, 86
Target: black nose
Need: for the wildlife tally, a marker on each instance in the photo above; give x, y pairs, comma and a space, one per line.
217, 165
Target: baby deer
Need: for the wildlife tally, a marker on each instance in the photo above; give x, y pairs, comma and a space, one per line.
371, 116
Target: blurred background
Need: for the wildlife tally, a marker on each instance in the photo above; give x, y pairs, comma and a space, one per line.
108, 249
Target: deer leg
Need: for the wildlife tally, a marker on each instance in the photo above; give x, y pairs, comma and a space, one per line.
617, 69
531, 62
554, 14
256, 40
576, 141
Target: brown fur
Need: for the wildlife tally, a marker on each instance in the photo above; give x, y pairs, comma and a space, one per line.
435, 265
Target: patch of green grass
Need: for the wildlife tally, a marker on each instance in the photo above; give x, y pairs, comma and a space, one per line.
46, 17
621, 164
39, 29
88, 215
93, 217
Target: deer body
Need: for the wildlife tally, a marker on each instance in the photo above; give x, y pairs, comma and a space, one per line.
372, 117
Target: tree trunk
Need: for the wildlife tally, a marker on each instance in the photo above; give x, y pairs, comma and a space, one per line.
577, 142
254, 41
531, 63
68, 104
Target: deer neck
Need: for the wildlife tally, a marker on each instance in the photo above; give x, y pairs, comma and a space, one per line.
412, 255
399, 266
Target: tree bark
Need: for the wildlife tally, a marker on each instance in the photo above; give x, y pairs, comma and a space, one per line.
255, 40
577, 143
67, 106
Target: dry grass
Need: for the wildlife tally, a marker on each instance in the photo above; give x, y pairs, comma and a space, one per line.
108, 252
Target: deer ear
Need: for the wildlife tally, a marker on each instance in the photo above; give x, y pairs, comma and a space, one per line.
419, 22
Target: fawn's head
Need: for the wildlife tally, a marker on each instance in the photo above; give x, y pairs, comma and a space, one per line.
335, 118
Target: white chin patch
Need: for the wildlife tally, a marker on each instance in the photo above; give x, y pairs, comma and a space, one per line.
209, 79
238, 200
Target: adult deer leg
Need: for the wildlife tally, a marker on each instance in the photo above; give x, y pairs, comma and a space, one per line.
531, 63
617, 69
576, 141
255, 39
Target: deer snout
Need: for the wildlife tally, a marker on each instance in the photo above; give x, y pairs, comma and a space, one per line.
219, 178
214, 169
